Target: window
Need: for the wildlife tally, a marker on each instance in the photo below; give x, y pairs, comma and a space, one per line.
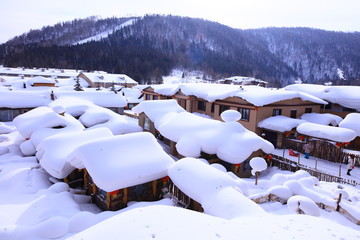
212, 107
155, 97
223, 108
201, 105
147, 96
6, 115
147, 123
345, 109
293, 113
308, 110
276, 112
245, 113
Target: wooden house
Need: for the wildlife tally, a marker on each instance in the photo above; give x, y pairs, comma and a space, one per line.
254, 103
169, 122
101, 79
342, 100
14, 103
116, 172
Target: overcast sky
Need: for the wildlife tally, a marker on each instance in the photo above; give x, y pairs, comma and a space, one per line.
19, 16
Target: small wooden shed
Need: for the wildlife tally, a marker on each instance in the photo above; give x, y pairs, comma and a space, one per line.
120, 169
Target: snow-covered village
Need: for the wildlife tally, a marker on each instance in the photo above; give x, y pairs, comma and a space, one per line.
98, 156
179, 120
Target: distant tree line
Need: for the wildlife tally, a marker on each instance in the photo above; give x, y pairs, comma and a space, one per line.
154, 45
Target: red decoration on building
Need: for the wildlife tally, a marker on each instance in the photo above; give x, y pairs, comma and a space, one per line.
346, 144
173, 96
239, 164
189, 98
301, 138
256, 108
268, 157
165, 179
287, 134
114, 192
338, 144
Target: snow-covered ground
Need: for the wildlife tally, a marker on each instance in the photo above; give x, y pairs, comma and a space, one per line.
32, 207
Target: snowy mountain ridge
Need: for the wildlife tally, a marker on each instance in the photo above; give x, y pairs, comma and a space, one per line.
106, 33
152, 46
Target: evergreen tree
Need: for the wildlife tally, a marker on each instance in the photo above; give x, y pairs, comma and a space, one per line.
77, 86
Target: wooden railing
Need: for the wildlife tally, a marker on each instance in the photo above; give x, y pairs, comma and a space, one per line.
289, 165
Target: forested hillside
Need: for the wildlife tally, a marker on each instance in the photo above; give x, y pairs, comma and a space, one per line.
153, 45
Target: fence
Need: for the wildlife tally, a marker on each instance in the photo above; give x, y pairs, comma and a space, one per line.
287, 164
321, 149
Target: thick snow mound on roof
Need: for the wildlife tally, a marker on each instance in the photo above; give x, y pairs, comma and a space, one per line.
260, 96
210, 92
322, 118
53, 151
44, 117
280, 123
132, 95
352, 121
100, 98
40, 79
93, 116
166, 89
115, 163
24, 99
158, 110
216, 191
347, 96
140, 223
337, 134
194, 134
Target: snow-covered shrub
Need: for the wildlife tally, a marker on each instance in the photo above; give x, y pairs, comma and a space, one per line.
302, 204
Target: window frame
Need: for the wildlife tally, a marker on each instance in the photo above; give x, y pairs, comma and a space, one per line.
244, 117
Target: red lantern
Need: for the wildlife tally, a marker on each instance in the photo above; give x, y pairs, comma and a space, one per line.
268, 157
114, 192
338, 144
301, 138
172, 96
287, 134
189, 98
256, 108
238, 165
346, 144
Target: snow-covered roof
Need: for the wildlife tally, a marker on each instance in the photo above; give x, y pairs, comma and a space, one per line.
40, 79
100, 98
322, 118
132, 95
280, 123
39, 72
337, 134
115, 163
258, 96
53, 151
347, 96
159, 111
109, 78
24, 99
93, 116
243, 80
194, 134
217, 192
352, 121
